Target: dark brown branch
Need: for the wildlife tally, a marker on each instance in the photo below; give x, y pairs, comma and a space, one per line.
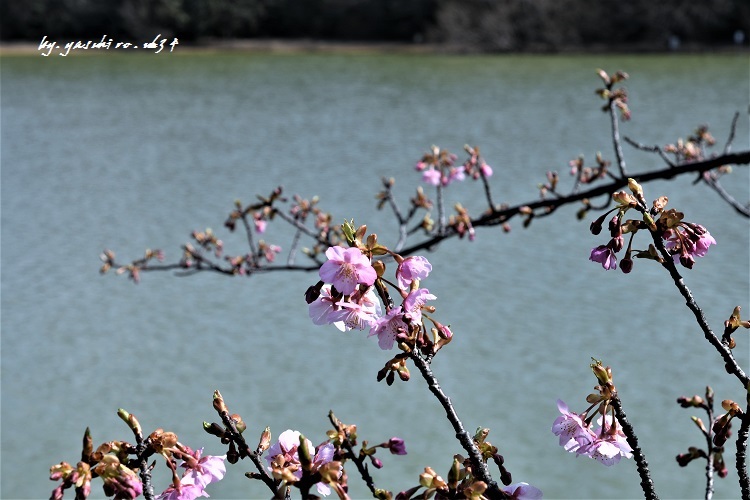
490, 218
646, 482
741, 462
500, 216
479, 467
731, 364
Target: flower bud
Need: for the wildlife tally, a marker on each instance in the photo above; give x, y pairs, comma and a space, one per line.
130, 419
635, 187
218, 403
304, 452
697, 421
265, 440
626, 264
426, 478
454, 474
238, 423
214, 429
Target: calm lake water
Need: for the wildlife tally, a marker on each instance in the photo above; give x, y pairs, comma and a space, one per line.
130, 152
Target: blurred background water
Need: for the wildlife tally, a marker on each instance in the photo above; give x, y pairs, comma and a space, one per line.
130, 152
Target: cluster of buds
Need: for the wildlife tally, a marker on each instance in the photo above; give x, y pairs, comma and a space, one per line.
118, 464
683, 241
260, 212
586, 175
475, 166
617, 97
716, 435
110, 461
439, 168
722, 425
134, 268
549, 186
461, 222
608, 443
208, 241
692, 149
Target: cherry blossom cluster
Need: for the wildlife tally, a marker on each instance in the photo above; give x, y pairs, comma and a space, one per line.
293, 453
606, 444
122, 474
683, 241
352, 287
439, 168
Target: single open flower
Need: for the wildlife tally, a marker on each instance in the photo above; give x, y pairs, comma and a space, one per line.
346, 268
605, 256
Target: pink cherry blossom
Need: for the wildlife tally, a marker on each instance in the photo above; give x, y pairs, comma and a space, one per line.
209, 469
487, 170
287, 445
414, 301
455, 175
388, 327
605, 256
200, 473
412, 268
431, 176
396, 446
522, 491
701, 246
603, 445
572, 431
346, 268
321, 308
360, 312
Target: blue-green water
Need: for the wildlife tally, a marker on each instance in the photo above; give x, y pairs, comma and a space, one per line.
133, 152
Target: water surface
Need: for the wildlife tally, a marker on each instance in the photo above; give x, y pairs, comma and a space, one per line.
130, 152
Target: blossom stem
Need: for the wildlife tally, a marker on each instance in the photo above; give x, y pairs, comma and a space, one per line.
245, 451
709, 407
361, 466
249, 232
616, 137
441, 209
402, 233
646, 482
479, 467
742, 437
668, 263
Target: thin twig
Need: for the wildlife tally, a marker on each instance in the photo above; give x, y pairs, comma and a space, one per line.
616, 139
716, 186
732, 130
650, 149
